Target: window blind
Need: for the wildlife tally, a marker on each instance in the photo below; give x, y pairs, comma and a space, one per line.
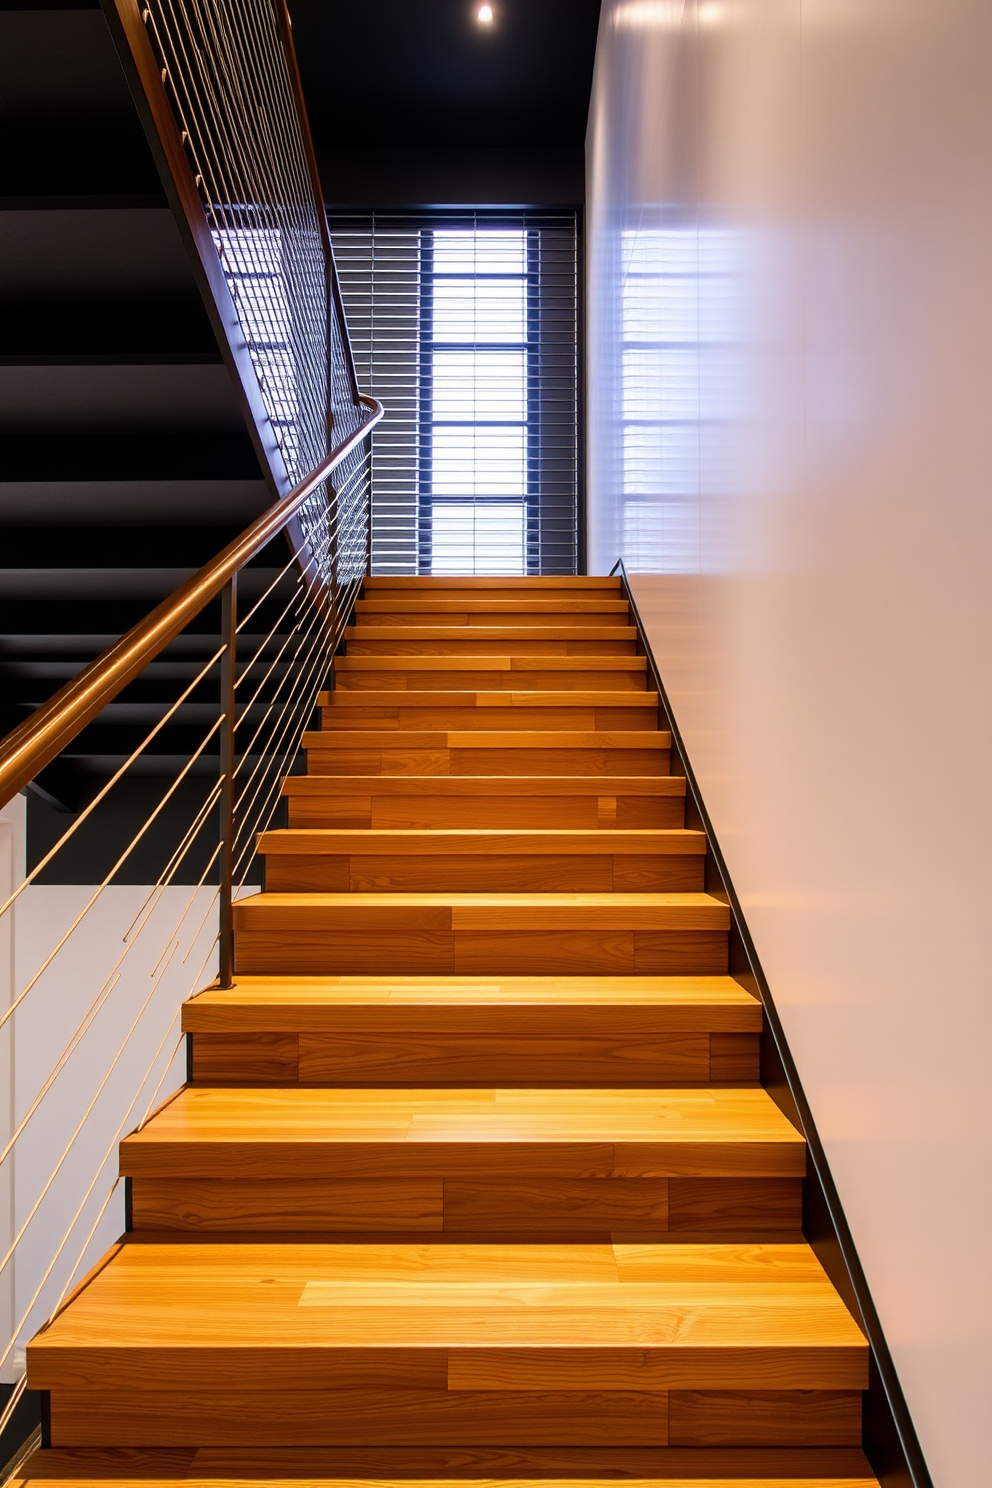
465, 325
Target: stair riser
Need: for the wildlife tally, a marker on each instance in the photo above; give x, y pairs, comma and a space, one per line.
630, 1054
714, 1207
363, 642
512, 719
295, 950
213, 1413
480, 680
546, 587
508, 607
465, 873
608, 617
588, 813
343, 758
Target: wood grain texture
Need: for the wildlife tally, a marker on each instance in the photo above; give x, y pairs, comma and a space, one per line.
410, 717
317, 950
340, 755
431, 584
373, 1314
476, 861
269, 1057
474, 1171
380, 1467
511, 1059
610, 674
285, 1204
733, 1056
486, 1003
788, 1418
498, 933
318, 1133
478, 640
476, 842
446, 802
360, 1417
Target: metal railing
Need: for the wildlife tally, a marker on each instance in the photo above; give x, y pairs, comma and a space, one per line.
101, 957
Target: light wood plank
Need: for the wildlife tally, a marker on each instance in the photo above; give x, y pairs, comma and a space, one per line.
388, 1467
457, 785
676, 842
641, 1009
428, 583
528, 740
627, 1133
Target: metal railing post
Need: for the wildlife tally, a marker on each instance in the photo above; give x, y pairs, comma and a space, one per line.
229, 627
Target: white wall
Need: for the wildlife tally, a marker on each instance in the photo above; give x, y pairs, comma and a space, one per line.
111, 996
790, 329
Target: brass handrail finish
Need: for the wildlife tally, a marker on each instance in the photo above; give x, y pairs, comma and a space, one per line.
31, 746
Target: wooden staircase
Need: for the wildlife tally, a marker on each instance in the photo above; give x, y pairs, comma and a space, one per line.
474, 1177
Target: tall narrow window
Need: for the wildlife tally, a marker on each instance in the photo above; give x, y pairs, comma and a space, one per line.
466, 328
477, 338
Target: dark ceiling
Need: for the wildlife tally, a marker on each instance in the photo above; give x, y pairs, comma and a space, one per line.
409, 73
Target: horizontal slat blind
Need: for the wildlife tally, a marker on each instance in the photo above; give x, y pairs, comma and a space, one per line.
465, 326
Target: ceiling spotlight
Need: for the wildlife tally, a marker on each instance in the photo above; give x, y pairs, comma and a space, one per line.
484, 15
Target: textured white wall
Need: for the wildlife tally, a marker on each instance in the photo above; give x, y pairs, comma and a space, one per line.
790, 333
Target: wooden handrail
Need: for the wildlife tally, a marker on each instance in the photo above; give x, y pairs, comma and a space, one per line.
36, 742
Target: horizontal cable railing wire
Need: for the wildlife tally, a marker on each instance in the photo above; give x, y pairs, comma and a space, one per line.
125, 909
456, 512
122, 952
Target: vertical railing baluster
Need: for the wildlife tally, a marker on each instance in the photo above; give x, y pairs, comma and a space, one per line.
229, 629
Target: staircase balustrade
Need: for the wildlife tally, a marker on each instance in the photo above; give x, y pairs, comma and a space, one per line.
169, 839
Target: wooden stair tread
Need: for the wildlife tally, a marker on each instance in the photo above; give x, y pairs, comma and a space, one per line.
458, 1317
612, 1132
613, 992
521, 632
406, 697
476, 785
484, 663
482, 840
442, 604
487, 911
430, 582
557, 1217
637, 739
315, 1004
515, 1467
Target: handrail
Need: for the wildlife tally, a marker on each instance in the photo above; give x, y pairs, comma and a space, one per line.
28, 748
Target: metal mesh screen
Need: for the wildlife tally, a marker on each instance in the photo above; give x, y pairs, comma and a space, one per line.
465, 325
227, 75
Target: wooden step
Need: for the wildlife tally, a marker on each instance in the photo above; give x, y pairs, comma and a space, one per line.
429, 1031
406, 710
481, 934
524, 1163
427, 1467
334, 860
429, 583
261, 1345
491, 611
480, 640
489, 752
397, 801
489, 674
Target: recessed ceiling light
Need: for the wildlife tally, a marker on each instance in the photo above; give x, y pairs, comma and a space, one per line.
484, 15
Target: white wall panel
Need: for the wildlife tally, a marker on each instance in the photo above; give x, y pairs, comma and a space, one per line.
790, 405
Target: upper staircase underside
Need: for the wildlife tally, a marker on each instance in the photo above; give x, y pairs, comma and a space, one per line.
474, 1176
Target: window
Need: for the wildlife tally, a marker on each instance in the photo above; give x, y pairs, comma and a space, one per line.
476, 344
466, 329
